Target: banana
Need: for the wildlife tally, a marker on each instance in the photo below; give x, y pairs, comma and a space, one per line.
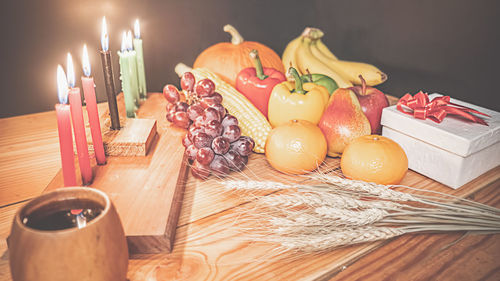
321, 57
324, 50
306, 61
308, 53
288, 57
372, 75
351, 70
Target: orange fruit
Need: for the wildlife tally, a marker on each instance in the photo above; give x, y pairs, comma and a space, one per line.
374, 158
296, 147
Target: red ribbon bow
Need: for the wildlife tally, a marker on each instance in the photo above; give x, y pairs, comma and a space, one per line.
437, 109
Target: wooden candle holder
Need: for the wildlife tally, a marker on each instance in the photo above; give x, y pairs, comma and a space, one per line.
134, 138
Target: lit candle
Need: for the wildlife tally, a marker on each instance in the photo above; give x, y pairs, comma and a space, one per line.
91, 102
108, 77
64, 129
141, 72
125, 76
134, 77
75, 102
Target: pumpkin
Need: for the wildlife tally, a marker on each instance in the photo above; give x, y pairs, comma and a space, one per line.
227, 59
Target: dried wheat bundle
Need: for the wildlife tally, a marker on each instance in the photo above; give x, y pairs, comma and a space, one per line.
335, 212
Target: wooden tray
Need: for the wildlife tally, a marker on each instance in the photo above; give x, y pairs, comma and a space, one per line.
146, 190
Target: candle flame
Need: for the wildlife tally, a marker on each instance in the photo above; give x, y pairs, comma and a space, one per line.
104, 35
71, 71
81, 221
137, 29
85, 61
130, 47
62, 85
123, 48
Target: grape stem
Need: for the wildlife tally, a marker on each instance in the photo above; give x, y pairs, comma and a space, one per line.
191, 98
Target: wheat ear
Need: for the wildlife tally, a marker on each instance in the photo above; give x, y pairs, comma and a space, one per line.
334, 239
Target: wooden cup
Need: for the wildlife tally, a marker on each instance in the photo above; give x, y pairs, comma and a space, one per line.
98, 251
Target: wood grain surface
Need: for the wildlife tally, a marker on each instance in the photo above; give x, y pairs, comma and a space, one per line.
29, 155
456, 256
208, 246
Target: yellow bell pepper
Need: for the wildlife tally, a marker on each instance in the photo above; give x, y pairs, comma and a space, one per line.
291, 100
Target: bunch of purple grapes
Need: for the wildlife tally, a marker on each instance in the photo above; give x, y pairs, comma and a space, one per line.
213, 143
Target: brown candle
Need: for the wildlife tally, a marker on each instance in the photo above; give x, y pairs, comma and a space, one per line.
108, 78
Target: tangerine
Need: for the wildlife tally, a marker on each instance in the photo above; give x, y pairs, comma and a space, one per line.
375, 159
296, 147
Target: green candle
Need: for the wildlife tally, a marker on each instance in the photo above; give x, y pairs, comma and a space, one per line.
134, 77
141, 72
134, 81
125, 77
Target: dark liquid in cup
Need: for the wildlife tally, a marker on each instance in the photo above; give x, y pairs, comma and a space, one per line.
58, 216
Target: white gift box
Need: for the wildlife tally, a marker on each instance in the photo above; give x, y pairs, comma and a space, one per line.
452, 152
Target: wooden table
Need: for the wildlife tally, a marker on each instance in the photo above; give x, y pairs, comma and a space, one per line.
205, 250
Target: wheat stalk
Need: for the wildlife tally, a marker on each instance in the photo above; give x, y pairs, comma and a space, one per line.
352, 218
325, 216
317, 199
339, 212
370, 189
333, 239
386, 192
254, 185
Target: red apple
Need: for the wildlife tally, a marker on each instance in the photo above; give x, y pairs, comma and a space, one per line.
372, 102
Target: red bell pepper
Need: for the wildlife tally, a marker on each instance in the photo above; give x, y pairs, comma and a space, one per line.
256, 83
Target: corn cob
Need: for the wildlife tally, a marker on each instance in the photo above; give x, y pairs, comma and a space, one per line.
250, 119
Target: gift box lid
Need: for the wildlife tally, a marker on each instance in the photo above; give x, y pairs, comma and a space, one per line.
454, 134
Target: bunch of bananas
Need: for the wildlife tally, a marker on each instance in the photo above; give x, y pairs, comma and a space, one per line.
307, 53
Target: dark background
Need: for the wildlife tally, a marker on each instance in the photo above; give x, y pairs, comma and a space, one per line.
446, 46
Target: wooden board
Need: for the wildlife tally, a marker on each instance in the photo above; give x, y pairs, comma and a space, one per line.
147, 191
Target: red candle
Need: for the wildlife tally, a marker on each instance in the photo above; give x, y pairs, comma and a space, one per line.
75, 101
64, 129
90, 100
